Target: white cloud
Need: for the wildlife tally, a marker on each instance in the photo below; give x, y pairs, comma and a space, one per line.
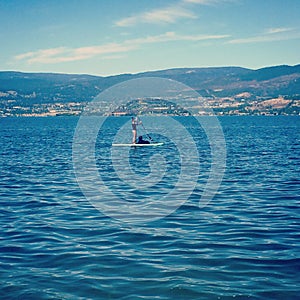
169, 14
41, 53
254, 39
196, 1
64, 54
112, 50
173, 37
203, 2
164, 15
278, 30
269, 35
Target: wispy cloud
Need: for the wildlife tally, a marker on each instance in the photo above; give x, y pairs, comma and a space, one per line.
64, 54
106, 51
170, 14
205, 2
278, 30
269, 35
172, 36
164, 15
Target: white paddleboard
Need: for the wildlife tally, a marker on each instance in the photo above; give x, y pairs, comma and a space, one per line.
138, 145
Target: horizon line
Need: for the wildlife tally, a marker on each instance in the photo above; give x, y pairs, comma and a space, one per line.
147, 71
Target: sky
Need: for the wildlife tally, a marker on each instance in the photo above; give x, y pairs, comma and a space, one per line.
109, 37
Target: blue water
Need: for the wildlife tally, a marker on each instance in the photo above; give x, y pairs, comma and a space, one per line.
245, 244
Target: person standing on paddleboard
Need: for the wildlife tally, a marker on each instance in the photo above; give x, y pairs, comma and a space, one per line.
134, 123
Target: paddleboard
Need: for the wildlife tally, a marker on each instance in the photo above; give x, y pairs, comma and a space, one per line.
138, 145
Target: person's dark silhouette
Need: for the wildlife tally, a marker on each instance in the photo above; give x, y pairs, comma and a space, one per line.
141, 141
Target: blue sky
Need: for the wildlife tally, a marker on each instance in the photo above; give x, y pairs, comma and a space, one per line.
107, 37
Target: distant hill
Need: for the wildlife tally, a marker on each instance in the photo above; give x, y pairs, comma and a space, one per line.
40, 88
229, 81
48, 87
222, 81
271, 72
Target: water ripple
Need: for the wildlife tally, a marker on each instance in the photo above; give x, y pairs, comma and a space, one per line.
243, 245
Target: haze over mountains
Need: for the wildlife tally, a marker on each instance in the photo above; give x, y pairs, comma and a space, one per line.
41, 88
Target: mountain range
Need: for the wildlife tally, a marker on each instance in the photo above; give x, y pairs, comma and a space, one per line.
265, 83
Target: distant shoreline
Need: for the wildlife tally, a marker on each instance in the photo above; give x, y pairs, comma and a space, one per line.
156, 116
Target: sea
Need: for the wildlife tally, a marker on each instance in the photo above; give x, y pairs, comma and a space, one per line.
58, 242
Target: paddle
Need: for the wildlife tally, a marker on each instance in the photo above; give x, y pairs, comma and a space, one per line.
149, 137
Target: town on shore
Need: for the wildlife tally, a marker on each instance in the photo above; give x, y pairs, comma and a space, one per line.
240, 105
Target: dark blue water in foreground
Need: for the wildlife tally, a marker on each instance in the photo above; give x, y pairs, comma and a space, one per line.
245, 244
